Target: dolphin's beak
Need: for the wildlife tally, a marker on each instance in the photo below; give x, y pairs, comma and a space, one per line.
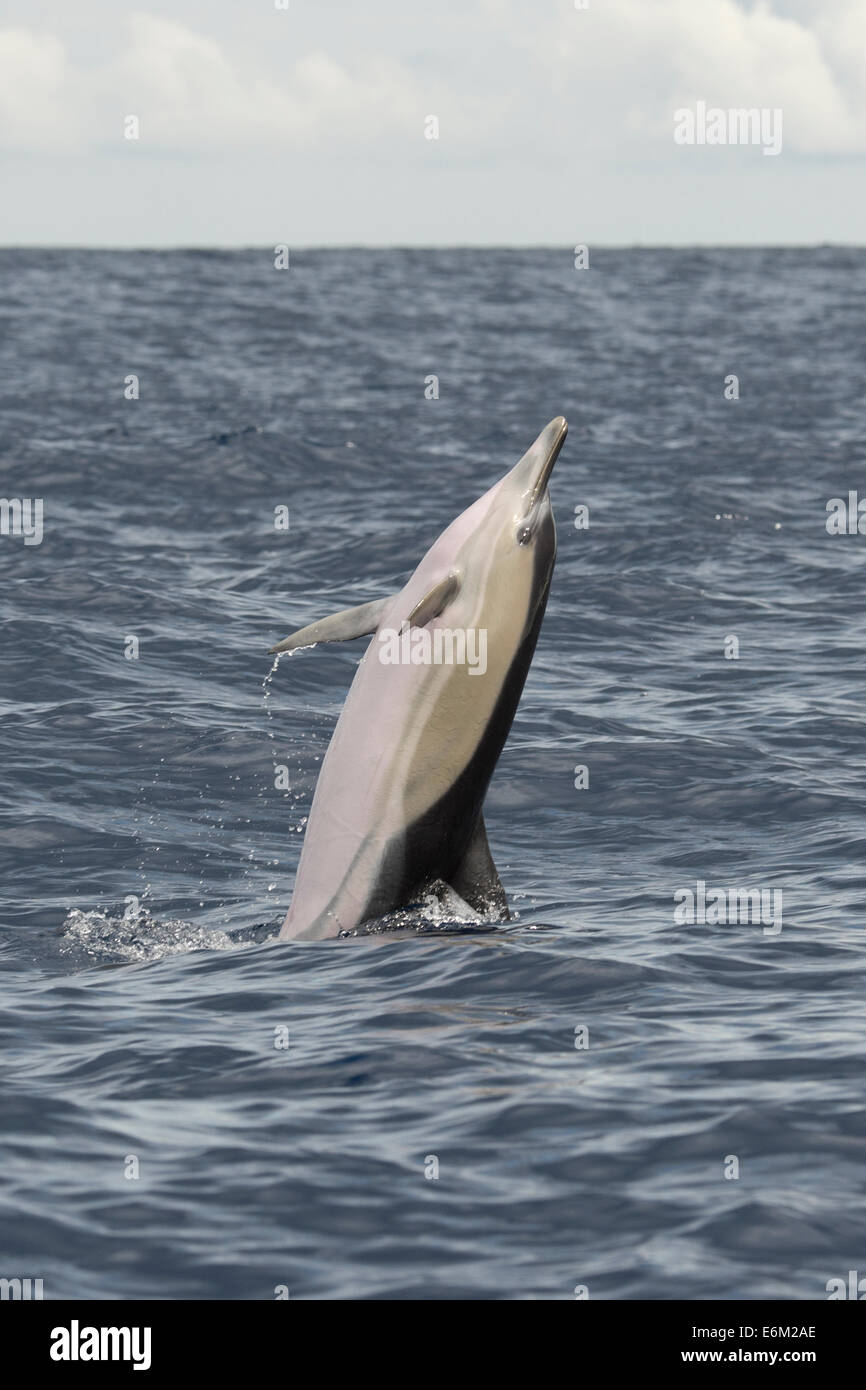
532, 473
548, 444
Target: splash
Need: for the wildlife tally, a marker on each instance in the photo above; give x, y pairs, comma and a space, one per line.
137, 936
268, 690
441, 910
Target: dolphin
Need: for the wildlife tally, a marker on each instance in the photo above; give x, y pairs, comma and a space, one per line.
398, 803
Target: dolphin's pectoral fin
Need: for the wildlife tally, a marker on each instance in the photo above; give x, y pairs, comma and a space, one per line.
340, 627
434, 601
476, 879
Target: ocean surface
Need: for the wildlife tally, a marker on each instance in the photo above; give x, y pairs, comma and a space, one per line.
593, 1096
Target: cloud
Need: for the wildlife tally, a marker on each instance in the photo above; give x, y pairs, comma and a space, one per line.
543, 85
32, 81
189, 95
645, 60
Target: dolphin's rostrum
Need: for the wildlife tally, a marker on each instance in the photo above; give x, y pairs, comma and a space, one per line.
398, 804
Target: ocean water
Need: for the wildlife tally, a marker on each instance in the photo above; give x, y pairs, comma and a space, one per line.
561, 1101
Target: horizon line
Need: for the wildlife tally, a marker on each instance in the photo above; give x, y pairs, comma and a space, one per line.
441, 246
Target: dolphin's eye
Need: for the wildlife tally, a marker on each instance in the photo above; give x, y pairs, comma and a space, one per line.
524, 535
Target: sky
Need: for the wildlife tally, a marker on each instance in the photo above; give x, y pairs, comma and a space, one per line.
308, 125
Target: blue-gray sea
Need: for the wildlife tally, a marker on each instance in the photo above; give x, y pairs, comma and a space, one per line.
614, 1101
